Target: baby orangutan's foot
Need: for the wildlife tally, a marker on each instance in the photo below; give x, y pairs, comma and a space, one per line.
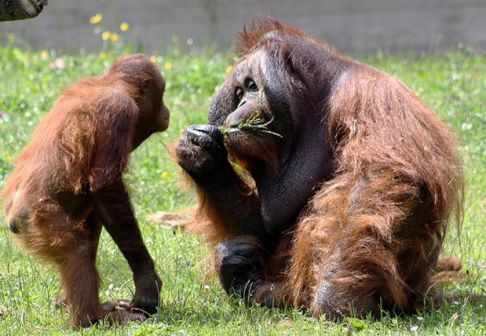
119, 312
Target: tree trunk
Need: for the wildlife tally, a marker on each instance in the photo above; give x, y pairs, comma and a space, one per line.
20, 9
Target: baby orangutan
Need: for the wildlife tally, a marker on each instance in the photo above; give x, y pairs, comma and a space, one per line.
67, 184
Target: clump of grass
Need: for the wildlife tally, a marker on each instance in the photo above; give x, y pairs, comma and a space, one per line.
254, 124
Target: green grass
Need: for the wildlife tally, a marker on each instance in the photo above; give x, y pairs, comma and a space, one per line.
453, 83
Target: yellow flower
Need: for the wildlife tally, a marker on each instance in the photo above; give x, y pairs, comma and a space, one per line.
102, 55
105, 36
44, 54
165, 175
153, 58
96, 19
124, 26
168, 66
115, 37
229, 69
8, 158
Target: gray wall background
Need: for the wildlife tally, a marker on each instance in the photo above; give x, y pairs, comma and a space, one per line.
351, 25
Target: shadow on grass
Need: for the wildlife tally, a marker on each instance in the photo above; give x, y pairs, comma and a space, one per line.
454, 311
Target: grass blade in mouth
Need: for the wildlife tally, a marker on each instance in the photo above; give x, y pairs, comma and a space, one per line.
254, 124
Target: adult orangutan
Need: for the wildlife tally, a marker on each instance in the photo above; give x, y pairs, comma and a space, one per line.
352, 179
67, 185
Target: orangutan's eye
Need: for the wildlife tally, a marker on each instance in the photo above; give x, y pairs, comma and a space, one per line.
239, 94
250, 84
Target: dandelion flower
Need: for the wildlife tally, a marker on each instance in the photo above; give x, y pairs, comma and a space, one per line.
102, 55
105, 36
168, 66
44, 54
114, 37
153, 58
124, 26
164, 175
96, 18
229, 69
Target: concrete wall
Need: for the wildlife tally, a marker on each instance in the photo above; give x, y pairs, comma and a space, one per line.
351, 25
